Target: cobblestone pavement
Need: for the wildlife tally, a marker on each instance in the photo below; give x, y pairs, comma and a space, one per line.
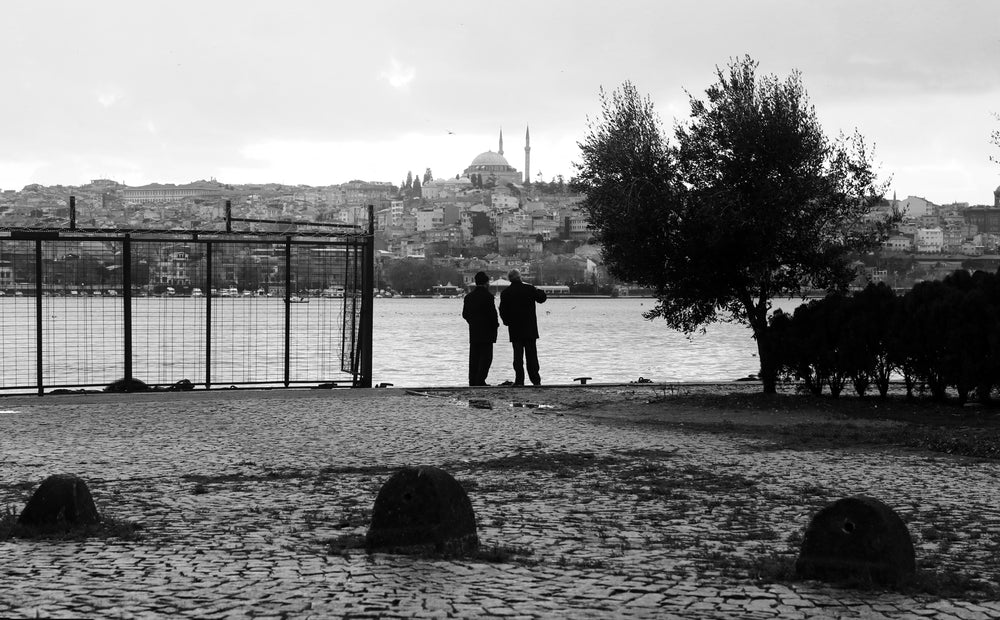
590, 512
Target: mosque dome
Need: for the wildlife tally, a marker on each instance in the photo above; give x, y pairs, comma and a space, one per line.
493, 167
489, 158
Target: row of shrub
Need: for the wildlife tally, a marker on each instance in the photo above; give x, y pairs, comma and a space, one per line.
939, 335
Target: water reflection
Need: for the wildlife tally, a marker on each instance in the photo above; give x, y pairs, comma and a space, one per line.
424, 342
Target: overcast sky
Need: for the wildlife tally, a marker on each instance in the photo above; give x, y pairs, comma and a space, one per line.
322, 92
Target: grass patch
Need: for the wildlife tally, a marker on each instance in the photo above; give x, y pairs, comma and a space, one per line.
851, 422
107, 527
951, 584
494, 553
202, 481
777, 567
543, 461
651, 480
963, 441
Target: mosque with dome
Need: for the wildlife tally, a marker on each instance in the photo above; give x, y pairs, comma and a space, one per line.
495, 165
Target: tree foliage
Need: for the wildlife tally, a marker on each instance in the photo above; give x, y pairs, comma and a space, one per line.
940, 335
417, 276
751, 201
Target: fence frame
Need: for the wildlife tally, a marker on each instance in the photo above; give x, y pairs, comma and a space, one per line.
358, 299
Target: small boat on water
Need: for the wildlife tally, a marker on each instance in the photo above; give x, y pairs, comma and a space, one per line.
196, 292
295, 299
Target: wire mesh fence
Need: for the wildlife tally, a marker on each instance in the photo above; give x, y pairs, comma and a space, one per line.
85, 310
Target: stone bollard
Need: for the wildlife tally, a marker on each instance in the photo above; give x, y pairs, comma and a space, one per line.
857, 539
422, 508
61, 499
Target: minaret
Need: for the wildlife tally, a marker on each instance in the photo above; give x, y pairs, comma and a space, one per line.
501, 142
527, 156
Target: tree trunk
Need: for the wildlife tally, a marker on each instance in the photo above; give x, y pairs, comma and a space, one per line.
769, 360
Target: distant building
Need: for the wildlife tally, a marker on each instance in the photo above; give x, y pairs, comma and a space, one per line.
428, 219
915, 207
157, 192
494, 166
929, 240
444, 188
898, 243
985, 219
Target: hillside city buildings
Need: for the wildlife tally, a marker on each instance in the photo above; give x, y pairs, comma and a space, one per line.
485, 218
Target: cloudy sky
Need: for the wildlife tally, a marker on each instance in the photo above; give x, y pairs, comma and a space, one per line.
321, 92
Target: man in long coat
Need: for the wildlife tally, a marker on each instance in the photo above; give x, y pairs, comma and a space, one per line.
480, 313
517, 311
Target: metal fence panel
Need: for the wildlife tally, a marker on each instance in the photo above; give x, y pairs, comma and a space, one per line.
214, 311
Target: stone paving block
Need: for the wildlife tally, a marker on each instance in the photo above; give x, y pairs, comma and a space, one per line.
247, 518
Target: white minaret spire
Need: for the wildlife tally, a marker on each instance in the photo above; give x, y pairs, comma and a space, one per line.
527, 156
501, 141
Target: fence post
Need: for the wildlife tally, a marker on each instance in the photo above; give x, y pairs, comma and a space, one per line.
127, 305
367, 301
229, 216
208, 315
72, 212
288, 307
38, 317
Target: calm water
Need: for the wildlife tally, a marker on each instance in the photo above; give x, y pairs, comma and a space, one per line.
424, 342
417, 342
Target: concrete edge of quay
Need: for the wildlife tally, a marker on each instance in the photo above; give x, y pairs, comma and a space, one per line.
346, 392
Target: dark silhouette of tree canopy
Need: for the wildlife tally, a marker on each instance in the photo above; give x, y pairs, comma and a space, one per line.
417, 276
753, 202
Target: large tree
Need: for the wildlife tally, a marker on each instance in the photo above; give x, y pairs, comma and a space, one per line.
750, 202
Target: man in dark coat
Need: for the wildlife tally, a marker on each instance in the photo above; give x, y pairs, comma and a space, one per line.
480, 313
517, 311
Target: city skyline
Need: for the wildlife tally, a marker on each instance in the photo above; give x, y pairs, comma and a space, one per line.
319, 94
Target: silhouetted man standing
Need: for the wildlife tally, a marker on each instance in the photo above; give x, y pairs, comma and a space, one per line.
517, 311
480, 313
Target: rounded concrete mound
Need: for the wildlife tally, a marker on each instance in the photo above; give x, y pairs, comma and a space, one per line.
422, 508
857, 539
60, 500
